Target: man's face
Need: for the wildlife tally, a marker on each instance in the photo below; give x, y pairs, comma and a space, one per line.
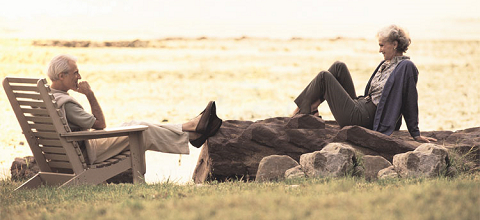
70, 79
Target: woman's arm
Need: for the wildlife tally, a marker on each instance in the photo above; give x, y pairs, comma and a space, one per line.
410, 106
410, 99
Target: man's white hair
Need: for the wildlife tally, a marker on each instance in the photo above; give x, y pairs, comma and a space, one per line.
59, 64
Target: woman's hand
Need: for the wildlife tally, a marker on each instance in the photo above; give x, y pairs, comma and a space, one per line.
424, 139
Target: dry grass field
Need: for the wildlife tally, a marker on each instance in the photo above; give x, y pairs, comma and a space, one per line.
249, 78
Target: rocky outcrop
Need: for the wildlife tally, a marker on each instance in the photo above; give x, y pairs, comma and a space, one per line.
237, 149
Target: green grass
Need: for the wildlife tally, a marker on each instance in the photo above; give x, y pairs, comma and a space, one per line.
343, 198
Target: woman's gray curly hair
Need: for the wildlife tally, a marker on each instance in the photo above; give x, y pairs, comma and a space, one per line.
59, 64
394, 33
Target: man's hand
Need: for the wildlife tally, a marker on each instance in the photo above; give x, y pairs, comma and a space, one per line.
84, 88
424, 139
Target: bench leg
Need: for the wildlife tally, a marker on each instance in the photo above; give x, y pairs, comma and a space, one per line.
46, 178
137, 149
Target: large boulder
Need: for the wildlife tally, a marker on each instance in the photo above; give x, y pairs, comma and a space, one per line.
428, 160
373, 164
273, 167
371, 142
334, 160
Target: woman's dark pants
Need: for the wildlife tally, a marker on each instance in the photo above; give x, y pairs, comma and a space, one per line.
336, 86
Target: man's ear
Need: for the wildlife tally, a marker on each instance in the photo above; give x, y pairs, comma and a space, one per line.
61, 76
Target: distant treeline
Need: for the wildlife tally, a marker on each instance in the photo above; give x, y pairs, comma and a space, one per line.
133, 43
86, 43
141, 43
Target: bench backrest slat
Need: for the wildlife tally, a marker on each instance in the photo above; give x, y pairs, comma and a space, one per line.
42, 122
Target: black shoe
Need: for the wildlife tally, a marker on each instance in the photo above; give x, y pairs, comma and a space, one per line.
213, 126
215, 122
199, 141
205, 118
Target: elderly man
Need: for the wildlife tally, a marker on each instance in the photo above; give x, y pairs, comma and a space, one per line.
64, 74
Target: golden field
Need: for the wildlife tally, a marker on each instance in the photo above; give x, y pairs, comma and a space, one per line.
250, 79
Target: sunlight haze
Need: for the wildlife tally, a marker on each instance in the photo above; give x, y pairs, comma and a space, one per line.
78, 19
251, 57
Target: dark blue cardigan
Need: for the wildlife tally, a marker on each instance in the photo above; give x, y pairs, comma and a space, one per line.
399, 97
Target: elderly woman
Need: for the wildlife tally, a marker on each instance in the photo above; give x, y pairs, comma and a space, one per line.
390, 93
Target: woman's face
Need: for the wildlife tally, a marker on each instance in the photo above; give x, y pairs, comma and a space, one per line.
387, 49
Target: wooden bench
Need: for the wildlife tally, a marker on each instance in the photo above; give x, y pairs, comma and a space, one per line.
56, 149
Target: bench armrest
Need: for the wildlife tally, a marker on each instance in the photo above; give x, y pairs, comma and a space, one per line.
109, 132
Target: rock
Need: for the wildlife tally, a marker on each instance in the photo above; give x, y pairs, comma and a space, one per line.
428, 160
295, 172
469, 137
238, 147
373, 164
24, 168
273, 167
441, 136
464, 143
370, 142
334, 160
387, 173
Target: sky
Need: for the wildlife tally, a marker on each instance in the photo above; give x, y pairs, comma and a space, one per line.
128, 19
